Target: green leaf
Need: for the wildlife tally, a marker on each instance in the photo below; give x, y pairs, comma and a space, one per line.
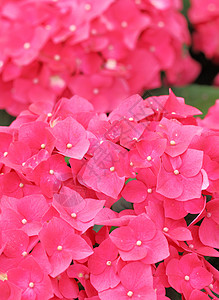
130, 179
172, 294
121, 204
186, 5
5, 118
97, 227
113, 228
199, 96
67, 160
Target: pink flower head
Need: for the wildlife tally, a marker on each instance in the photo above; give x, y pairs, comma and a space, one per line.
37, 136
62, 245
209, 229
180, 177
195, 245
14, 186
132, 108
176, 107
210, 121
140, 240
50, 174
178, 136
75, 210
82, 274
29, 277
71, 138
63, 286
25, 213
205, 21
173, 229
126, 16
103, 172
5, 141
18, 153
102, 266
9, 291
17, 244
136, 282
188, 274
25, 49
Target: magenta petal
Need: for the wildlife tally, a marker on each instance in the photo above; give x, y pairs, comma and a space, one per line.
180, 234
200, 278
68, 287
70, 132
174, 274
209, 233
118, 292
9, 291
143, 227
107, 279
168, 184
135, 191
192, 187
123, 238
158, 249
137, 253
213, 208
17, 242
198, 295
136, 275
78, 247
60, 261
192, 161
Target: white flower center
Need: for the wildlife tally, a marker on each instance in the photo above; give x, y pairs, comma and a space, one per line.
124, 24
130, 294
26, 46
72, 28
87, 7
31, 284
69, 146
138, 243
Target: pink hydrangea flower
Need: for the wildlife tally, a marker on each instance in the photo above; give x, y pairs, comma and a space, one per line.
127, 216
188, 274
103, 52
140, 240
62, 245
204, 16
103, 266
184, 170
136, 282
29, 277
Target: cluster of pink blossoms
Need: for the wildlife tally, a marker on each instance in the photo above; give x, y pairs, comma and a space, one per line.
64, 178
104, 51
204, 16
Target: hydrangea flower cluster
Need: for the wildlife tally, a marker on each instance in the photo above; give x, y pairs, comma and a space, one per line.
204, 16
104, 51
65, 176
